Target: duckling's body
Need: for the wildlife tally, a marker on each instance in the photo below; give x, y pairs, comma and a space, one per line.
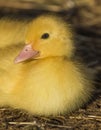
49, 84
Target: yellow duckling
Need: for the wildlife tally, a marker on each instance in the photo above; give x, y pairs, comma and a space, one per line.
47, 81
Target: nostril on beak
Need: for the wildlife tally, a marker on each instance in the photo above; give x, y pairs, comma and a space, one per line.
26, 50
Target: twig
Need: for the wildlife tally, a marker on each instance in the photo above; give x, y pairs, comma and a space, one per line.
89, 117
22, 123
34, 123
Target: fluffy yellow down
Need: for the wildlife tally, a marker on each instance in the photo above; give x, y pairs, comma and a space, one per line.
50, 84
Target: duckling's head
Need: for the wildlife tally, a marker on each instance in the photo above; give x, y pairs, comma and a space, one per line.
47, 36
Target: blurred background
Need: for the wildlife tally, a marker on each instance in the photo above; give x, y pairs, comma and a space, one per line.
85, 18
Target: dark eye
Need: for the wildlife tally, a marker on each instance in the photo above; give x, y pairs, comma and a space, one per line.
45, 36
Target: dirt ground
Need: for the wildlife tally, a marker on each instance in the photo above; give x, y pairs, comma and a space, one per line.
86, 20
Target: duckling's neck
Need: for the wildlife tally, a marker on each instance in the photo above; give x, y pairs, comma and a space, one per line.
53, 58
46, 65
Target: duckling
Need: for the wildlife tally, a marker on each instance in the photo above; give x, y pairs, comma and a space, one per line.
44, 78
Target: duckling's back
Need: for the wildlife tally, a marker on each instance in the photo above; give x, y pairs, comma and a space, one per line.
12, 31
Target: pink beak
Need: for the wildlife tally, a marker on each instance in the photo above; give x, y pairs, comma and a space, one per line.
26, 53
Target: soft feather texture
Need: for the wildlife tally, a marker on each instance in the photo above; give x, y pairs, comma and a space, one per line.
50, 84
12, 31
